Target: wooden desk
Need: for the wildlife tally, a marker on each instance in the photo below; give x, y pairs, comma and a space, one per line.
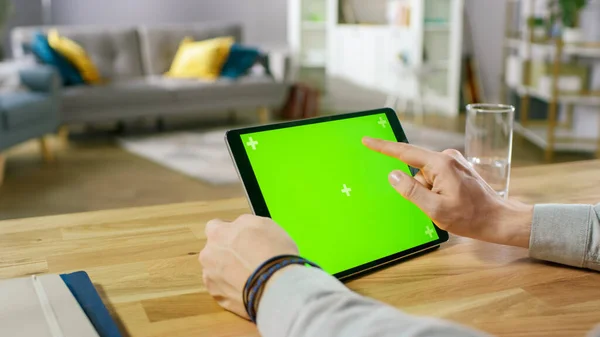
143, 261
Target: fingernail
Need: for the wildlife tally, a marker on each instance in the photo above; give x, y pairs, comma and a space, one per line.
396, 177
367, 140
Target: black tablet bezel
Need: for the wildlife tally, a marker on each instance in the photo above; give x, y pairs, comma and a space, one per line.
258, 203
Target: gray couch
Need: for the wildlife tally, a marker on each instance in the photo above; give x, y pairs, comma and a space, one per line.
133, 59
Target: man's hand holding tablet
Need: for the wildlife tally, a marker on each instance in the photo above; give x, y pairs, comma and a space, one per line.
234, 250
446, 189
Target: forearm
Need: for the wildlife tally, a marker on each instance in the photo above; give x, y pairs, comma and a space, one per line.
308, 302
567, 234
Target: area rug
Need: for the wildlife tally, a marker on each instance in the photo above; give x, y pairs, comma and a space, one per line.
203, 154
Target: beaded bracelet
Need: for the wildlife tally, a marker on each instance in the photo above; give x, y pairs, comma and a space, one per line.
254, 286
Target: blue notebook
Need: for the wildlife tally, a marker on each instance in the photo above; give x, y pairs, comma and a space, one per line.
83, 290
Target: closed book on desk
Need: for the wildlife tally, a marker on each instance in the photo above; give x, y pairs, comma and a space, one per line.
53, 306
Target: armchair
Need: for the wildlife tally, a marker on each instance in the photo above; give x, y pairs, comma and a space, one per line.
25, 115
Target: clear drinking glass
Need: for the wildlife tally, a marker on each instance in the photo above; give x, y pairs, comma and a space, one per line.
488, 145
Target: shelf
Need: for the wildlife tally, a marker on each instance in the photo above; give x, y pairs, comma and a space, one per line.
436, 65
314, 60
312, 64
314, 25
566, 140
437, 27
425, 69
364, 25
586, 100
514, 43
579, 49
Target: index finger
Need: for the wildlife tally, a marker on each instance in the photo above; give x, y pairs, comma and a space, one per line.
412, 155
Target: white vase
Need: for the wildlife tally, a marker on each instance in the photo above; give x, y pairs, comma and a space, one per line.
572, 35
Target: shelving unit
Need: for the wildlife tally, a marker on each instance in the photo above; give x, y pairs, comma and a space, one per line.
549, 46
307, 33
589, 99
415, 59
551, 134
565, 138
310, 25
437, 28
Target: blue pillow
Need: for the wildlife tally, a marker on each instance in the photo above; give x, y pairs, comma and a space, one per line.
239, 61
42, 50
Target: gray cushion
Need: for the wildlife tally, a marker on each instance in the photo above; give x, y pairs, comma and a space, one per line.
160, 43
256, 87
138, 92
115, 51
22, 108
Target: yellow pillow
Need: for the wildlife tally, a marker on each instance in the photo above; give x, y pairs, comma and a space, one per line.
201, 59
76, 55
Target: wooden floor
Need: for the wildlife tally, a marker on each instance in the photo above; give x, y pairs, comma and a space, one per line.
95, 174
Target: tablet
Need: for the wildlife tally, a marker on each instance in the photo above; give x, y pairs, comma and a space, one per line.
330, 193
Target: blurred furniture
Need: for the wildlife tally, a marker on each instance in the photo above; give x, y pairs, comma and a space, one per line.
133, 61
562, 74
146, 262
30, 114
418, 35
307, 34
420, 77
302, 102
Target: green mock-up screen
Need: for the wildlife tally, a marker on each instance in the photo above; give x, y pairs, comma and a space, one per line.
331, 193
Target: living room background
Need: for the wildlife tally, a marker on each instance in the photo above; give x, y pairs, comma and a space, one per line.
267, 26
264, 21
134, 132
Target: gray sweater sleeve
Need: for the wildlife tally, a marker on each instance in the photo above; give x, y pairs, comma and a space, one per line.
306, 302
566, 234
309, 302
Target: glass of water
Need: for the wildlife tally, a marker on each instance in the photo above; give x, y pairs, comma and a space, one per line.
488, 145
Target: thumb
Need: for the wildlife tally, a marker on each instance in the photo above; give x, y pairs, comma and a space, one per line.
413, 191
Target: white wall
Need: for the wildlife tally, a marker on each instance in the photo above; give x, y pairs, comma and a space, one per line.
486, 26
264, 20
25, 13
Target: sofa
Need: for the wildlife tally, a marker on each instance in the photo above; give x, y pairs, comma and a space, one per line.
133, 61
31, 113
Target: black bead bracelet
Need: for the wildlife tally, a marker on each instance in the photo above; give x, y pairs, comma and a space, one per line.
254, 286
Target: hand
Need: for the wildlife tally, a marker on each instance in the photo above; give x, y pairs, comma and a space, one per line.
455, 196
234, 250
